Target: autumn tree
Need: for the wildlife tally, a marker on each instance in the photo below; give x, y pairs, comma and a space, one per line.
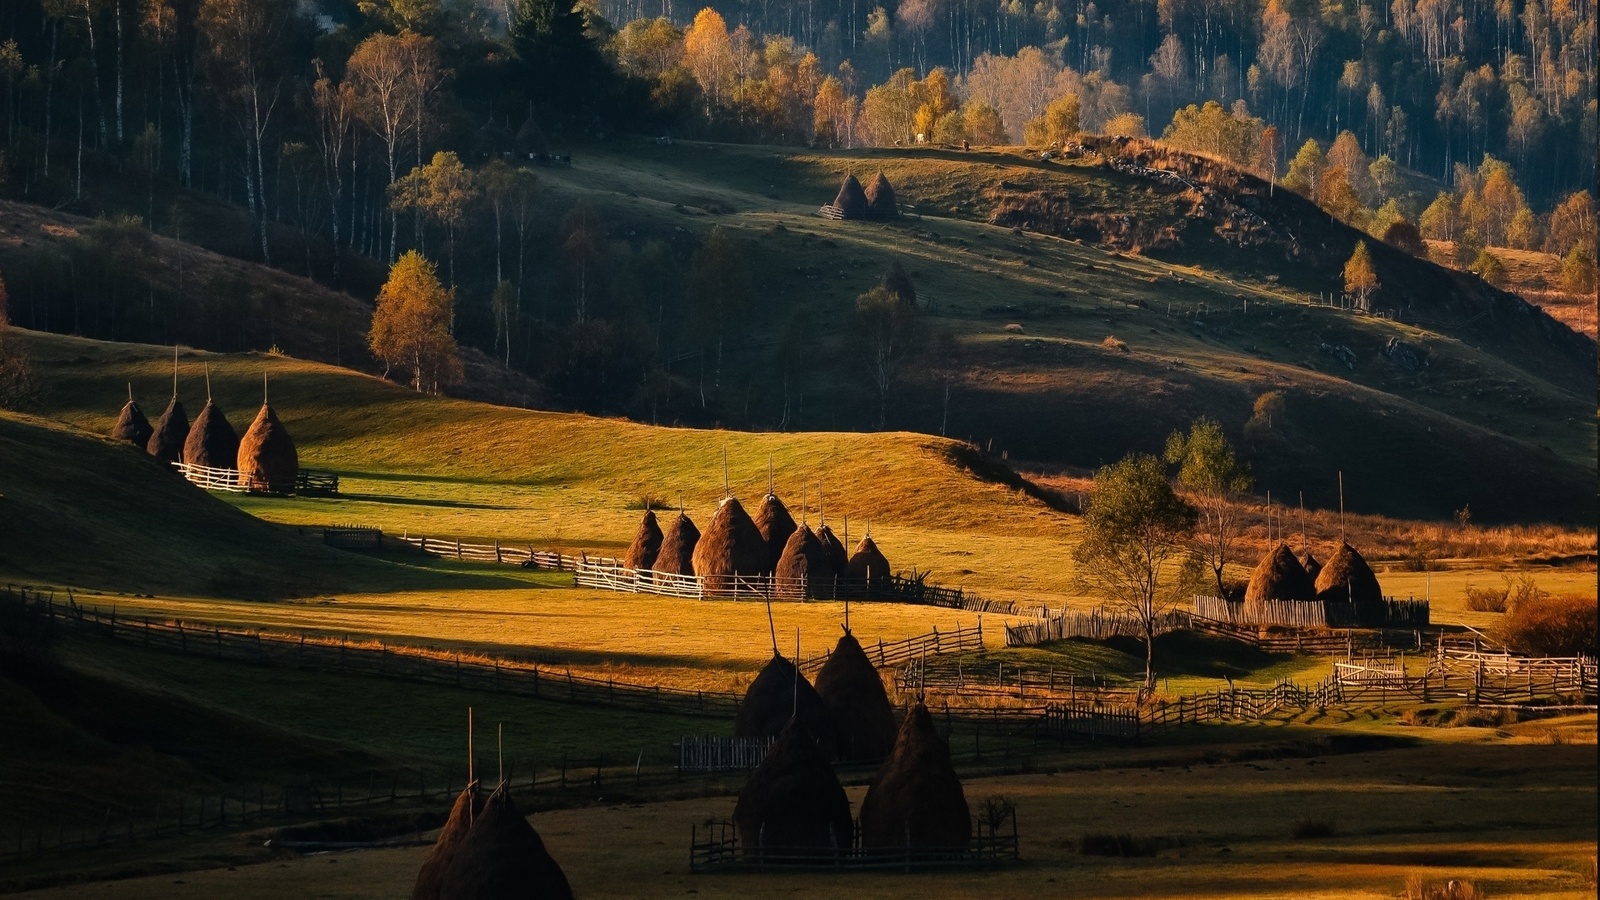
1125, 125
708, 53
1489, 267
1305, 170
335, 108
887, 330
1578, 272
378, 72
1360, 278
442, 190
1135, 547
1231, 135
1440, 221
1216, 479
411, 324
1572, 225
1056, 125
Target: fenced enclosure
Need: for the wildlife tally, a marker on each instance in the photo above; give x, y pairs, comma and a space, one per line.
506, 554
716, 847
1098, 624
711, 753
999, 680
885, 654
1389, 613
307, 482
353, 537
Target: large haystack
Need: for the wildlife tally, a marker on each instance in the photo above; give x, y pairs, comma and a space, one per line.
171, 430
502, 857
880, 199
793, 805
676, 556
851, 200
731, 545
646, 543
804, 563
1348, 578
898, 282
131, 425
868, 569
1312, 566
267, 458
1278, 576
776, 525
916, 799
778, 694
212, 442
469, 803
852, 690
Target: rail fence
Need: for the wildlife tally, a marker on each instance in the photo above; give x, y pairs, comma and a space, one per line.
711, 753
1097, 624
1390, 613
886, 654
715, 846
307, 482
998, 679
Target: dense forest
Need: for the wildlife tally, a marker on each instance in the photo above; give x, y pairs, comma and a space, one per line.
353, 131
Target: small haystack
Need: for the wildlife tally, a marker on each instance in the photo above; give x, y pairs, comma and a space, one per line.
1278, 576
676, 556
793, 804
267, 458
468, 805
851, 200
131, 425
1347, 578
880, 199
776, 526
916, 799
172, 429
212, 442
730, 546
868, 569
503, 857
646, 543
804, 563
778, 694
897, 282
1312, 566
852, 690
837, 557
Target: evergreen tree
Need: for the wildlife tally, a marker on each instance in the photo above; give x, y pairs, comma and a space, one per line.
561, 68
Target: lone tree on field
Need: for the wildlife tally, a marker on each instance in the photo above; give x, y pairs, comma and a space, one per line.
1359, 277
1210, 470
411, 325
888, 331
1135, 544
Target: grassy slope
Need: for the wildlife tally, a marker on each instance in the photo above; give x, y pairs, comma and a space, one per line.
1504, 394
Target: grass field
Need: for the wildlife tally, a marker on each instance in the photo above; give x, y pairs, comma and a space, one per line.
1436, 811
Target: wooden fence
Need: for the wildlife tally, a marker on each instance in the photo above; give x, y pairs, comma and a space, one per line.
1097, 624
353, 537
709, 753
506, 554
1390, 613
997, 679
307, 482
885, 654
715, 846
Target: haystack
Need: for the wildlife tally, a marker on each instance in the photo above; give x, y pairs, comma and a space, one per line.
267, 458
1348, 578
676, 556
1311, 565
646, 543
776, 525
852, 691
851, 200
916, 799
131, 425
804, 563
1278, 576
837, 556
868, 569
731, 545
897, 282
793, 804
778, 694
469, 803
880, 199
172, 429
503, 857
212, 442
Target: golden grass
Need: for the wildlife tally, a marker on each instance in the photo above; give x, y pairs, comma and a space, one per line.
1536, 277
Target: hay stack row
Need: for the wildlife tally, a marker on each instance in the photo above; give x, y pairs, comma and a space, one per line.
1280, 576
805, 562
488, 849
265, 458
794, 803
876, 201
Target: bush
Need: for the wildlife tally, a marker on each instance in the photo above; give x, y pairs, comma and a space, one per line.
1489, 599
1112, 342
1454, 889
1543, 625
1125, 845
1306, 829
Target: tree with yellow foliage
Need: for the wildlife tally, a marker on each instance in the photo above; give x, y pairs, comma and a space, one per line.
1056, 125
1360, 278
411, 325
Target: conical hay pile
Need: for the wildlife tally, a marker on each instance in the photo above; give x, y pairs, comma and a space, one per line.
916, 796
469, 803
851, 199
267, 458
172, 429
730, 546
774, 698
212, 442
836, 552
132, 426
1278, 576
868, 568
1312, 566
793, 802
852, 690
1347, 577
776, 525
646, 543
880, 199
804, 563
676, 556
898, 283
503, 857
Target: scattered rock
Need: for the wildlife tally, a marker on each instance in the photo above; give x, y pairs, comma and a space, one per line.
1409, 357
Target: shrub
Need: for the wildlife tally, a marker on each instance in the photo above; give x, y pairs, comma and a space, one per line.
1112, 342
1125, 845
1306, 829
1552, 626
1454, 889
1489, 599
